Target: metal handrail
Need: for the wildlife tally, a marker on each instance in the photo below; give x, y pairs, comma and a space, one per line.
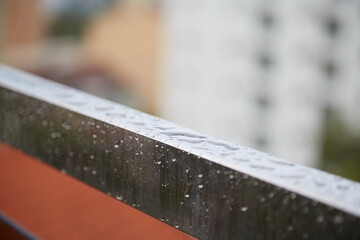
204, 186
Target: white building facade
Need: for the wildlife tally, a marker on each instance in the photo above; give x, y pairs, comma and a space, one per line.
262, 73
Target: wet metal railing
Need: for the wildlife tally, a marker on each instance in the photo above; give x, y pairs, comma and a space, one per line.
199, 184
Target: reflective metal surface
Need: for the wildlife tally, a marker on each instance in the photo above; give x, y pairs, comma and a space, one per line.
199, 184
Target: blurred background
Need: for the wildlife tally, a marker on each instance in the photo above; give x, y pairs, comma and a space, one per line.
280, 76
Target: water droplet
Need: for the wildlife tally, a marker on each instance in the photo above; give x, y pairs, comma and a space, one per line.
66, 126
200, 175
173, 160
94, 135
294, 175
343, 185
241, 159
137, 123
181, 134
305, 209
200, 186
190, 140
187, 195
280, 162
285, 200
176, 226
93, 172
289, 228
103, 107
262, 167
231, 176
252, 152
225, 145
338, 219
117, 114
305, 236
44, 123
116, 146
320, 181
244, 209
78, 102
320, 219
227, 153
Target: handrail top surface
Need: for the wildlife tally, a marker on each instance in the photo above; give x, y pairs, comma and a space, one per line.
320, 186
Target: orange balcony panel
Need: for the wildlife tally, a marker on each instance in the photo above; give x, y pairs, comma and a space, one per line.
52, 205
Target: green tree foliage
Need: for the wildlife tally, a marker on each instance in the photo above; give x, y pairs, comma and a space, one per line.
340, 149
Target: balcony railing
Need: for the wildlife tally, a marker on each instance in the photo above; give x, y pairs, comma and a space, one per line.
204, 186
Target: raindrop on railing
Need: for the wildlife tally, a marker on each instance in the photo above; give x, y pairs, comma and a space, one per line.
182, 134
78, 102
318, 180
305, 236
44, 123
225, 145
261, 167
138, 123
241, 159
338, 219
117, 114
280, 162
244, 208
343, 185
104, 107
320, 219
289, 228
